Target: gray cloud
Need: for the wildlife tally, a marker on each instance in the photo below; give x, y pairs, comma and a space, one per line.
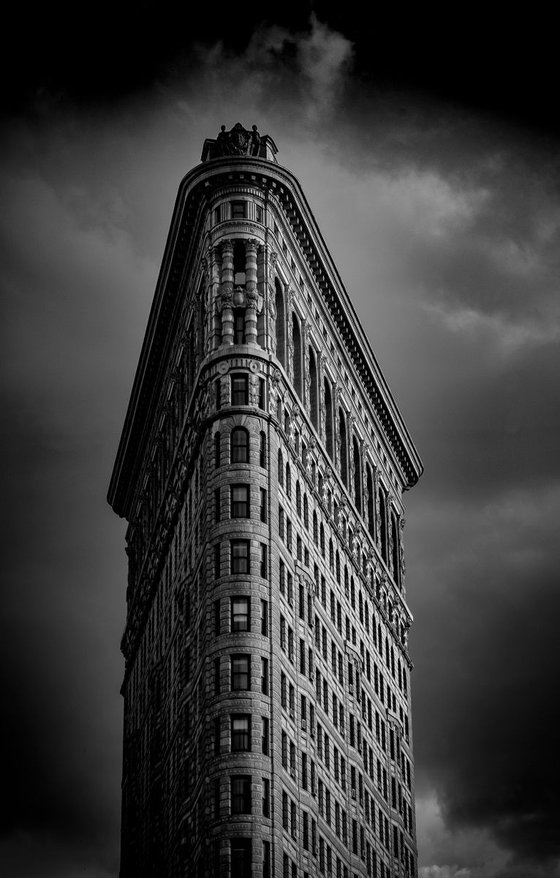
445, 229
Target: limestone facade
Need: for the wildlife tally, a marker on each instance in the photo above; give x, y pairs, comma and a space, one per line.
267, 723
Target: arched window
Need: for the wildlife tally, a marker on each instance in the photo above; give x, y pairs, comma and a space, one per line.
370, 501
239, 445
357, 476
328, 419
296, 336
280, 323
262, 450
343, 447
280, 468
217, 449
313, 394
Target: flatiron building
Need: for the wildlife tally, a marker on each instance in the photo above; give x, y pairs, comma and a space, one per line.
261, 470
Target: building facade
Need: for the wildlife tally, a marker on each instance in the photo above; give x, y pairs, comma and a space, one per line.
261, 469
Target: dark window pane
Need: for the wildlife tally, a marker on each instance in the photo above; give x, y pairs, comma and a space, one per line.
241, 854
239, 326
240, 672
239, 390
239, 445
241, 732
241, 794
240, 614
238, 209
239, 556
240, 501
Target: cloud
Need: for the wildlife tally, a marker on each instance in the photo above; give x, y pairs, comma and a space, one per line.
505, 335
300, 76
444, 872
324, 58
485, 602
446, 233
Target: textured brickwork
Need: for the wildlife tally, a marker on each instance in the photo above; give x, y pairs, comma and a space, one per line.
267, 726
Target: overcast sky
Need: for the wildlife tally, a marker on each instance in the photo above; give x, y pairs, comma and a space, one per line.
437, 194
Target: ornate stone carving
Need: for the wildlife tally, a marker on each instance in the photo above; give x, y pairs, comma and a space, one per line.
237, 141
254, 390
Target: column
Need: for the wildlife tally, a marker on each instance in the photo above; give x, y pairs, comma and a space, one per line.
226, 292
251, 293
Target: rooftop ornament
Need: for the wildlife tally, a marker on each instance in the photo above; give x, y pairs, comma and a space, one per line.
239, 141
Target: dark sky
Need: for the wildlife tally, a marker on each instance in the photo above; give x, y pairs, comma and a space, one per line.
428, 149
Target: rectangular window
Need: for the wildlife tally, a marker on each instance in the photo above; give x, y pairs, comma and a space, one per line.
283, 690
284, 750
218, 390
217, 619
265, 735
217, 561
240, 672
217, 735
266, 868
264, 676
239, 445
264, 618
241, 794
263, 505
240, 614
239, 326
266, 797
262, 393
217, 504
239, 389
301, 656
238, 209
240, 556
217, 799
216, 676
239, 501
264, 561
241, 857
240, 732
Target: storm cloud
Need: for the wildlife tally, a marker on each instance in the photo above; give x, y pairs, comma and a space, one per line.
444, 223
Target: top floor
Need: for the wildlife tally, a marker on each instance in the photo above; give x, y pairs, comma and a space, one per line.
246, 270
